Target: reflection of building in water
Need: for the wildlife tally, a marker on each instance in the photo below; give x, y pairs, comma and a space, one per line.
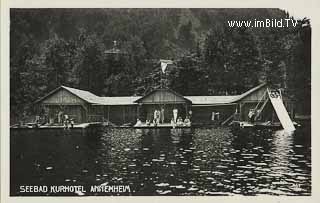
281, 152
176, 134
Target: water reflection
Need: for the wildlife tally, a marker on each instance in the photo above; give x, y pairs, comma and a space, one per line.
197, 161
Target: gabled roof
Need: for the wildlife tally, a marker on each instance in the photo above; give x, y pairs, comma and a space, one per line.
163, 89
204, 100
113, 101
247, 93
133, 100
85, 95
82, 94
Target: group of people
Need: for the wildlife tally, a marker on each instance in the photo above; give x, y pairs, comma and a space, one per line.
65, 120
158, 117
68, 122
180, 122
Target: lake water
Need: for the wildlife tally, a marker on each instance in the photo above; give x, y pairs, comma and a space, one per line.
200, 161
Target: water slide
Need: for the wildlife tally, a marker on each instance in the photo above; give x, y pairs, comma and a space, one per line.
281, 111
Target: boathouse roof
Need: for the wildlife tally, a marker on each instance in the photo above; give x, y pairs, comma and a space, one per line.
85, 95
163, 96
206, 100
249, 92
113, 101
82, 94
154, 97
220, 100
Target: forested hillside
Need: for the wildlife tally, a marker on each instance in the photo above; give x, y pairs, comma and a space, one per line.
51, 47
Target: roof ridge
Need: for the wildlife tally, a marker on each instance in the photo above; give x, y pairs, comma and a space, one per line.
241, 96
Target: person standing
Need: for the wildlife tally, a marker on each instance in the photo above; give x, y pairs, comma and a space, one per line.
190, 114
60, 117
155, 114
71, 122
175, 115
162, 115
158, 117
251, 115
66, 121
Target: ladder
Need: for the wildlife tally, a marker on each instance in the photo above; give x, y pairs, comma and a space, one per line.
261, 104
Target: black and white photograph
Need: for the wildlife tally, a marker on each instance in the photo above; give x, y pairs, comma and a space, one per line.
160, 102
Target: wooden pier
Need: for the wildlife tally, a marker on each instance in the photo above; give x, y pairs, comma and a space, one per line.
238, 125
81, 129
161, 125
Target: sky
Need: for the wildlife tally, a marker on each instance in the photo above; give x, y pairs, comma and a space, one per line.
298, 13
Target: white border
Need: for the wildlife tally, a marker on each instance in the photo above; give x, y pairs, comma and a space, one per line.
311, 8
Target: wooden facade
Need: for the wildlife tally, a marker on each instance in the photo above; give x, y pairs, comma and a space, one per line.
212, 114
165, 99
253, 98
121, 114
67, 103
163, 96
117, 114
84, 106
63, 97
250, 101
146, 112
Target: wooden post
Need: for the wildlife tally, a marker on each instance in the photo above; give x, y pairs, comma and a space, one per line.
138, 111
124, 119
186, 108
86, 114
240, 111
108, 113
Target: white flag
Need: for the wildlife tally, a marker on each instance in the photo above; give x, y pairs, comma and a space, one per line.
163, 66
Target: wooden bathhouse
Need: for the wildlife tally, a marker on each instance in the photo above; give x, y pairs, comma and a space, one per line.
84, 106
165, 99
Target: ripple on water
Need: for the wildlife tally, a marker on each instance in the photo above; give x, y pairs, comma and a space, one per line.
217, 173
162, 184
260, 164
207, 161
205, 171
221, 167
163, 192
193, 189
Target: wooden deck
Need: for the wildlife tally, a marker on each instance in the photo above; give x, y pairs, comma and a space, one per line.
80, 125
161, 125
76, 126
86, 129
266, 125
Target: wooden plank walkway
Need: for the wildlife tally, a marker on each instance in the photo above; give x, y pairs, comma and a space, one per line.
246, 124
160, 125
76, 126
